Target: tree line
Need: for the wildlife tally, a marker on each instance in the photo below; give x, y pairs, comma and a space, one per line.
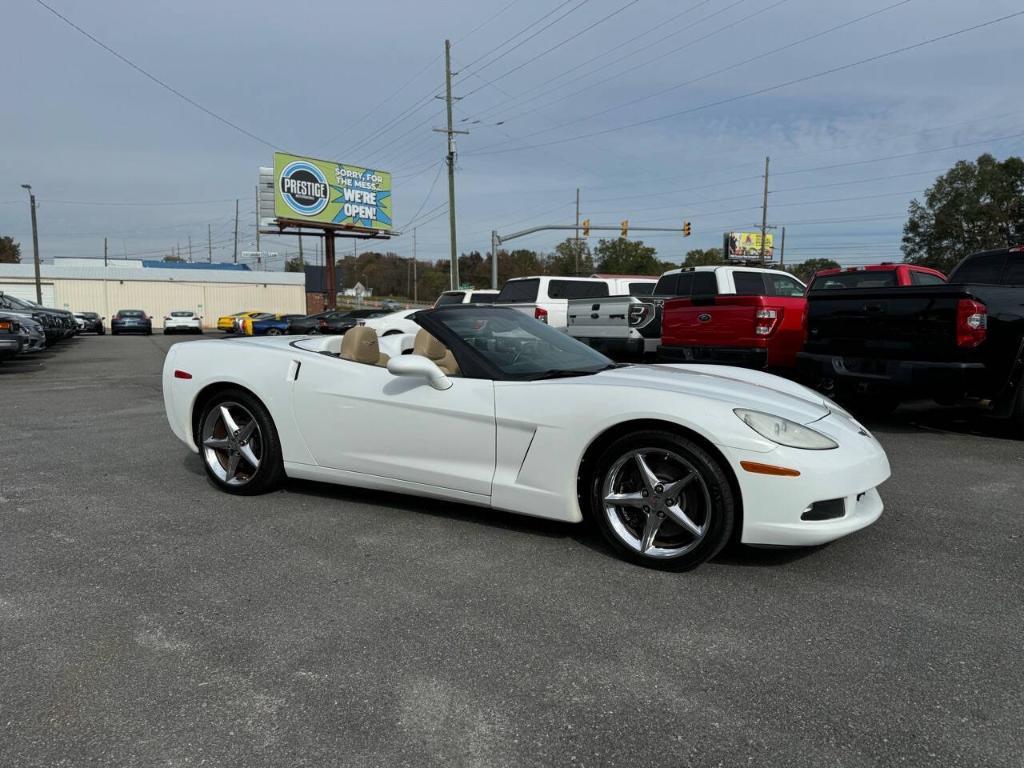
973, 207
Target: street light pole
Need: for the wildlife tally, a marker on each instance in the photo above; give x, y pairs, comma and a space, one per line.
35, 242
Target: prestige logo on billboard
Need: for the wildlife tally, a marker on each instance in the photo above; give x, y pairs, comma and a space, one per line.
304, 188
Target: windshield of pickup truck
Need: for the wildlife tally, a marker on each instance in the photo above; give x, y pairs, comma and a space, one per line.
519, 346
874, 279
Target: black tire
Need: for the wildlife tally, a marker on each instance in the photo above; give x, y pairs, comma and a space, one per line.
166, 332
270, 472
273, 332
711, 503
113, 333
879, 406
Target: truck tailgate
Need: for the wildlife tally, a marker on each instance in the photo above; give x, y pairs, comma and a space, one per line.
909, 323
599, 318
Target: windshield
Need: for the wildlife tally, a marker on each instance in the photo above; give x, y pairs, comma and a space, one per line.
182, 314
519, 346
131, 313
862, 279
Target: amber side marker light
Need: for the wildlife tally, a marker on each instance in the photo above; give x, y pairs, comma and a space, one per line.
182, 375
769, 469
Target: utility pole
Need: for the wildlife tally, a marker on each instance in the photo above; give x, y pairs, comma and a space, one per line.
329, 276
576, 250
764, 211
782, 248
104, 251
415, 282
35, 242
494, 259
236, 230
301, 260
451, 163
209, 243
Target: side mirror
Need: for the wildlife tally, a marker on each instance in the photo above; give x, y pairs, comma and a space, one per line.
417, 365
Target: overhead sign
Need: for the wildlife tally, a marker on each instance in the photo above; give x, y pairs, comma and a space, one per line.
322, 192
747, 245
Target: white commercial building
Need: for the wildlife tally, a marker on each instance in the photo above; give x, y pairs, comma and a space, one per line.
158, 291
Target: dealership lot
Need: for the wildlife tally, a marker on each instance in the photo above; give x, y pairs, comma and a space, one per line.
146, 618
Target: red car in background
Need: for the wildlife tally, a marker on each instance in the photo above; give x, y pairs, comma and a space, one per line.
883, 275
757, 318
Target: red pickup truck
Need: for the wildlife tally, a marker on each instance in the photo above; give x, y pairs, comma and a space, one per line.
757, 318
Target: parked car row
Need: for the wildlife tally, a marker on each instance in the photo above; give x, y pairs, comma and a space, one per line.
27, 327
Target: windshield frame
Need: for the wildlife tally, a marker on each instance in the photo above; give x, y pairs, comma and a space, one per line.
475, 365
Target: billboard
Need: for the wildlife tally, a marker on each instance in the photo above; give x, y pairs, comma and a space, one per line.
322, 192
747, 245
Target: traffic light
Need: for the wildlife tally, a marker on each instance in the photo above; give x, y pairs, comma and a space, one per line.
586, 227
686, 229
624, 232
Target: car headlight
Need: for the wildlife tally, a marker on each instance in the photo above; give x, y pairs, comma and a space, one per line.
785, 432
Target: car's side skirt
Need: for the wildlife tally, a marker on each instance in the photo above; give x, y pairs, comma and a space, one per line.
380, 483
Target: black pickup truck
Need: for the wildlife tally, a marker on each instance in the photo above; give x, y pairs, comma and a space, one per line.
963, 340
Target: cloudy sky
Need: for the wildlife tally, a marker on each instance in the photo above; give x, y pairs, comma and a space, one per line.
658, 110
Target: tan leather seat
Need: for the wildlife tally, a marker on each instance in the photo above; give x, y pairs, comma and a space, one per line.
360, 345
428, 346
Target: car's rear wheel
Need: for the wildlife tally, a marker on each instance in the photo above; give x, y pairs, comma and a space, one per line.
662, 500
239, 444
273, 332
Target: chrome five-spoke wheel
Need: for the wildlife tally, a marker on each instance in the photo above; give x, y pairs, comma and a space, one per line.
232, 443
656, 502
662, 499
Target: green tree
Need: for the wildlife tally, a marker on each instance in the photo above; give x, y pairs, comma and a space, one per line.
172, 257
626, 257
295, 265
521, 263
806, 269
972, 207
571, 257
700, 257
10, 251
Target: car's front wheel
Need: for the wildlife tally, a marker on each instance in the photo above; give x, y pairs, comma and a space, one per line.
239, 444
273, 332
661, 500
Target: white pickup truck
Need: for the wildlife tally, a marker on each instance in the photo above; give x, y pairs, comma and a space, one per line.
629, 327
547, 298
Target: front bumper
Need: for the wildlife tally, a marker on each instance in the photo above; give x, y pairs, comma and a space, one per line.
773, 506
9, 347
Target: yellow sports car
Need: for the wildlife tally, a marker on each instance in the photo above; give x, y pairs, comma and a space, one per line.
226, 323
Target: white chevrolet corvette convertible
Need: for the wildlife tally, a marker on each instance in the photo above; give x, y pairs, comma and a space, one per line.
487, 406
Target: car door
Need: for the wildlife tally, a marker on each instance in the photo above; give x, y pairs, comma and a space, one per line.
360, 418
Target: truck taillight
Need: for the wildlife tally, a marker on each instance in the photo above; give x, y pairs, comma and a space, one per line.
767, 320
540, 314
971, 323
639, 314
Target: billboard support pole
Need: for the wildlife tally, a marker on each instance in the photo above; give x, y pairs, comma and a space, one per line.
764, 211
332, 284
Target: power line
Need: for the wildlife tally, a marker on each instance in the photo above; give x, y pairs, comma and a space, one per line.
563, 73
757, 92
520, 32
629, 56
735, 65
154, 78
555, 47
429, 193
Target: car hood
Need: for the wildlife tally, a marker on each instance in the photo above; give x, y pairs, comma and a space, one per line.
737, 387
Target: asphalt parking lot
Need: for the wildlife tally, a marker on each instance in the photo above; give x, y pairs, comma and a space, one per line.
148, 619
